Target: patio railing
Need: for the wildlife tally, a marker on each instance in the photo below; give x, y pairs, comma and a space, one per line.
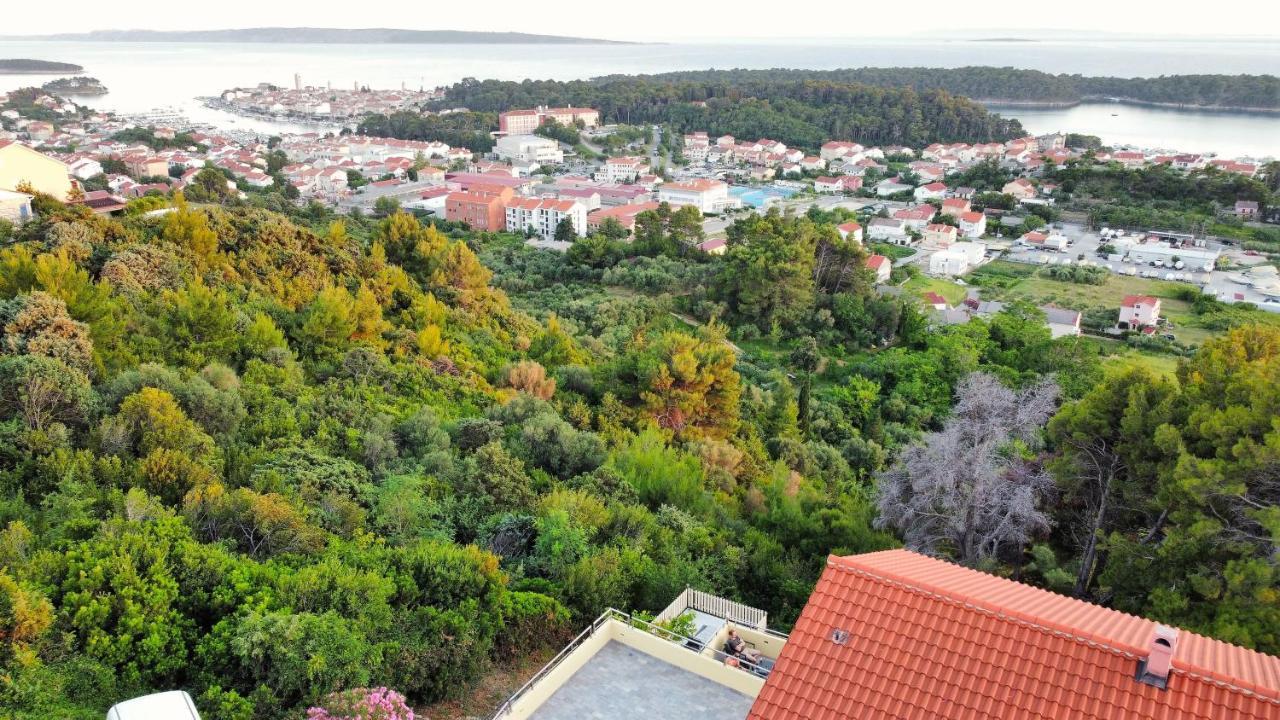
736, 612
683, 641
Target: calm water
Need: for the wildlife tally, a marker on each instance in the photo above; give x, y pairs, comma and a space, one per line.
142, 76
1229, 134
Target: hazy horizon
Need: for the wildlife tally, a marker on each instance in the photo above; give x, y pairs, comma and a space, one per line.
669, 20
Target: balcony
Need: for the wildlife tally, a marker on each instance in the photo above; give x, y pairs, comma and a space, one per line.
622, 667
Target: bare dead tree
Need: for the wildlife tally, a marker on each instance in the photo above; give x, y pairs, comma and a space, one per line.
967, 490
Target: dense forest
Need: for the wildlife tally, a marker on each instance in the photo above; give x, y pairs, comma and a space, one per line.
1012, 84
265, 454
799, 112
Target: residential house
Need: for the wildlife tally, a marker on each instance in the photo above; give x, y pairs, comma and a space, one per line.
940, 235
843, 183
85, 167
955, 207
837, 149
932, 191
1139, 311
1044, 241
102, 202
850, 230
935, 301
15, 207
22, 166
1020, 189
973, 224
1247, 209
957, 259
888, 230
881, 266
896, 634
1062, 322
916, 217
714, 246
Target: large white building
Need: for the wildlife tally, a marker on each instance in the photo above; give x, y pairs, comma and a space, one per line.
707, 195
957, 259
543, 215
624, 169
529, 148
517, 122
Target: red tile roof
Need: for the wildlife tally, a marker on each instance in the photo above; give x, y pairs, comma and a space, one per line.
929, 639
1135, 300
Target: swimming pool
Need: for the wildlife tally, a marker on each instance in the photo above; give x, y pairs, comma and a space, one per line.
760, 196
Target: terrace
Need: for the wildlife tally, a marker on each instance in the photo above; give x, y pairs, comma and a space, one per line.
623, 667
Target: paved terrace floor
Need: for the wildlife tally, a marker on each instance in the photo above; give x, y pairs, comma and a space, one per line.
620, 683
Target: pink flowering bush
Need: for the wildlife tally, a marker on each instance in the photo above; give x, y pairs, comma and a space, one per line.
363, 704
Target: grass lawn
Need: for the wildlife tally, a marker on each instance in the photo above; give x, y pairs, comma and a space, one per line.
920, 285
1019, 281
893, 252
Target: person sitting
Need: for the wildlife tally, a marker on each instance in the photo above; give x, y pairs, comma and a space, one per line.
737, 647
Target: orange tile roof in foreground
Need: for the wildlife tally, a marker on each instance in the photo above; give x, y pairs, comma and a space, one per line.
929, 639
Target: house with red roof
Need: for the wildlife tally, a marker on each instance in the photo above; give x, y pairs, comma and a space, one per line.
973, 224
850, 230
940, 235
1139, 311
932, 191
895, 634
955, 207
624, 214
881, 266
1021, 188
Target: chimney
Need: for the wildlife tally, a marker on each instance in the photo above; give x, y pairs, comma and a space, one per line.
1154, 669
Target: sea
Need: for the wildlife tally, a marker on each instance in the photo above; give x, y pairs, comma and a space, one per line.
146, 76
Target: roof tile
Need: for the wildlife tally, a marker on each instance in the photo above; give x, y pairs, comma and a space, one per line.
928, 639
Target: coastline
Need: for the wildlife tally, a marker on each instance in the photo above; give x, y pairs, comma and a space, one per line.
1103, 100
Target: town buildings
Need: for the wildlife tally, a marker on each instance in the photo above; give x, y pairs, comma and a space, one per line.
481, 207
523, 122
709, 196
624, 169
541, 216
624, 214
529, 148
957, 259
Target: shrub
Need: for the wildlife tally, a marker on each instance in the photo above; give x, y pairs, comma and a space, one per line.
363, 704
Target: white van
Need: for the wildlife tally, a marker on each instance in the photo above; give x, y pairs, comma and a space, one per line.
172, 705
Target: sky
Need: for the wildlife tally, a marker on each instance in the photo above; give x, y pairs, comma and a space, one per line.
655, 20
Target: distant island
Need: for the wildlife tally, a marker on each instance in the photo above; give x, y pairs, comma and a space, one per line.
78, 85
366, 36
24, 66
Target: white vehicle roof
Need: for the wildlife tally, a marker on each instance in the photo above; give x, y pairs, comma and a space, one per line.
171, 705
